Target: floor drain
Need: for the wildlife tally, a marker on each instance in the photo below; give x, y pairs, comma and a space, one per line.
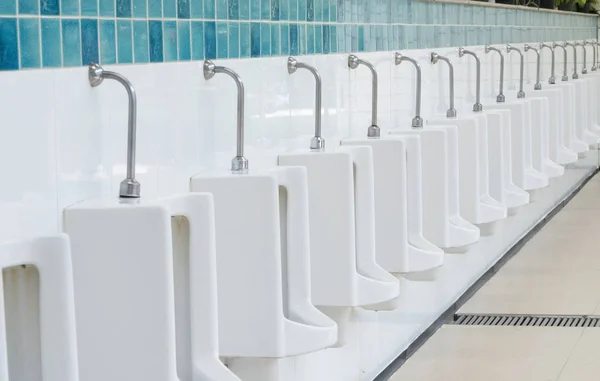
527, 320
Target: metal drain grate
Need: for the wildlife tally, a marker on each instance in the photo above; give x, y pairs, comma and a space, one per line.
527, 320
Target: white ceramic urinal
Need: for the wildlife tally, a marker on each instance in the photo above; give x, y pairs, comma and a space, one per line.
540, 134
263, 261
442, 223
582, 114
344, 271
593, 86
569, 122
401, 246
145, 280
37, 313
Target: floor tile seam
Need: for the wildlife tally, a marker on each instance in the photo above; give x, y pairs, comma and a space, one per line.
570, 353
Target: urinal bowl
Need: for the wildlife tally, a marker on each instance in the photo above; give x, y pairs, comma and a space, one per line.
541, 104
585, 122
570, 139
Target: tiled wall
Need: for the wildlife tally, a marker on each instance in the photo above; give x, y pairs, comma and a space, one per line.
62, 33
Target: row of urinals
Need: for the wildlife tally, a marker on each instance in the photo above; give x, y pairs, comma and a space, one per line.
269, 264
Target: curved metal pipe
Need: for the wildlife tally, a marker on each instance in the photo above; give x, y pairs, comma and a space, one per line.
593, 68
451, 112
130, 187
538, 84
477, 106
317, 143
354, 62
417, 121
575, 75
509, 48
584, 69
551, 80
500, 98
555, 45
239, 164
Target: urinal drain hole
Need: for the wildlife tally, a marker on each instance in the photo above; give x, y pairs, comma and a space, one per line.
527, 320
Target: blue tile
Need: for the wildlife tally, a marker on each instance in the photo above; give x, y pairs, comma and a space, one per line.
196, 9
333, 12
108, 45
284, 10
284, 34
139, 9
293, 10
88, 7
169, 8
9, 45
209, 9
244, 9
222, 9
222, 40
71, 41
326, 7
244, 40
233, 10
265, 40
49, 7
124, 41
302, 43
318, 6
8, 7
318, 39
89, 41
29, 36
170, 41
197, 40
340, 10
210, 40
275, 10
254, 9
51, 43
310, 10
294, 40
183, 9
333, 39
69, 7
326, 40
155, 34
183, 39
106, 8
124, 8
27, 7
140, 42
361, 38
275, 40
155, 8
265, 9
255, 39
234, 40
302, 10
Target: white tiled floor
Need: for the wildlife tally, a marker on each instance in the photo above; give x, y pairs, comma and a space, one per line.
558, 273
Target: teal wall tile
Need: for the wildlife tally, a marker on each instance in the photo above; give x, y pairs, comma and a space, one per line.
361, 38
275, 10
255, 39
244, 40
170, 41
293, 10
89, 41
106, 8
302, 42
265, 9
88, 7
155, 8
310, 39
284, 10
222, 40
124, 41
222, 8
196, 9
29, 37
325, 6
71, 42
210, 40
284, 34
51, 43
140, 42
209, 9
9, 44
326, 39
184, 40
27, 7
294, 40
197, 40
69, 7
140, 9
169, 8
183, 9
310, 10
319, 39
8, 8
254, 9
275, 40
234, 40
233, 9
265, 39
49, 7
108, 45
155, 39
244, 9
302, 10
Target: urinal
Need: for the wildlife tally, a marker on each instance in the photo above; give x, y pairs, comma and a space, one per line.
341, 206
442, 223
569, 123
401, 246
144, 280
595, 89
37, 313
477, 206
263, 265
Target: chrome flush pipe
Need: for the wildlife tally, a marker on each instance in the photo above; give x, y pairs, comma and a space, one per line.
575, 75
130, 187
538, 84
565, 77
500, 98
551, 80
354, 62
317, 143
584, 69
451, 113
593, 45
509, 48
477, 106
417, 121
239, 164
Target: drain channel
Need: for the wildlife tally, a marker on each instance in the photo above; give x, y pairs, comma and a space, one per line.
527, 320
